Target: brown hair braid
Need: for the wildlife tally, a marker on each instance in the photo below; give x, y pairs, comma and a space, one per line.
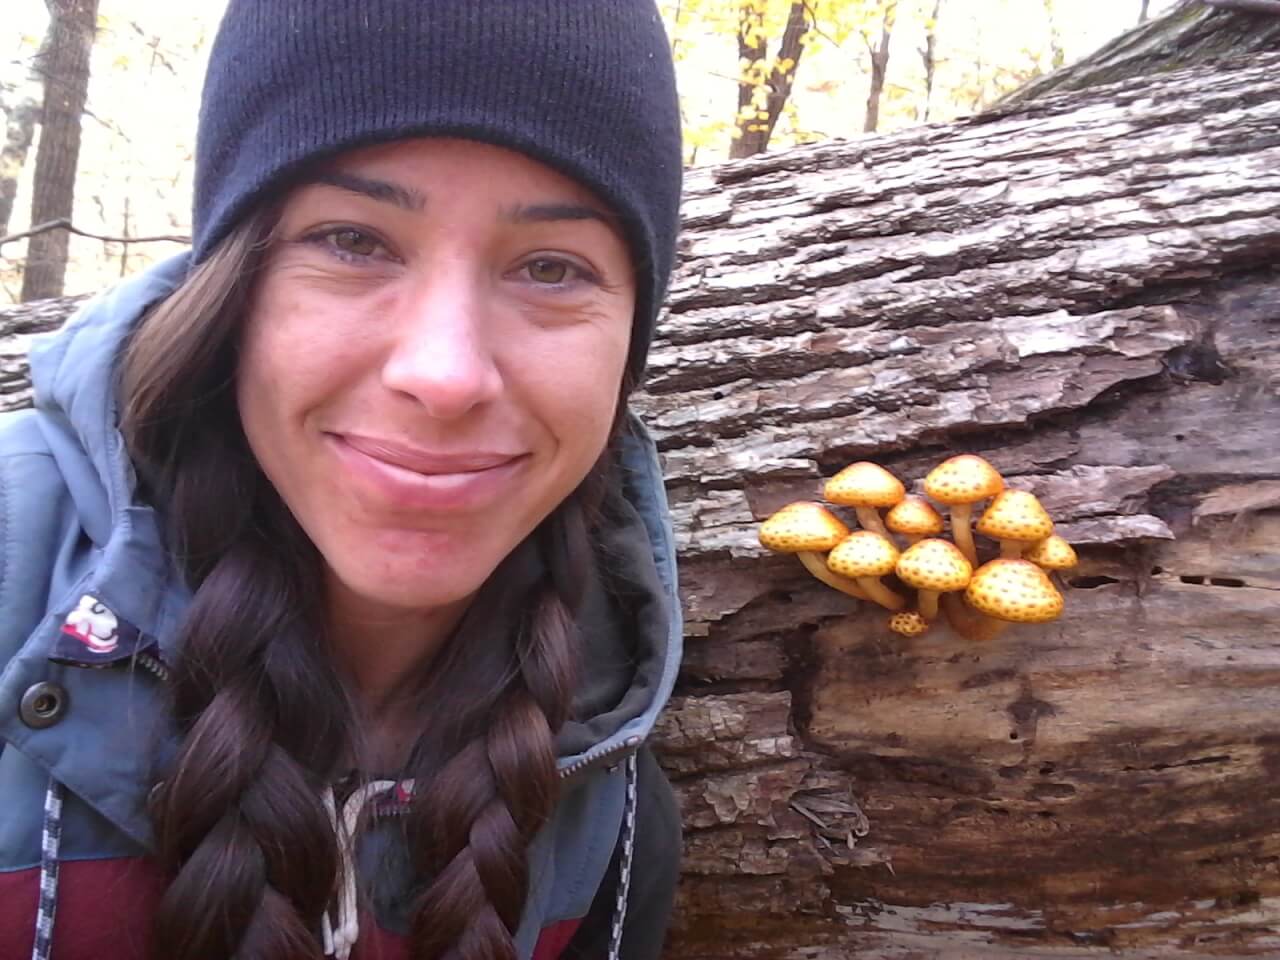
239, 821
473, 820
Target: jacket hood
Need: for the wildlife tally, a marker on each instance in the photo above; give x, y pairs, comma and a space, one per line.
633, 632
74, 375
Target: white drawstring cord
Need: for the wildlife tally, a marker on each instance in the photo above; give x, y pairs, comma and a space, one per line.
50, 842
624, 866
339, 941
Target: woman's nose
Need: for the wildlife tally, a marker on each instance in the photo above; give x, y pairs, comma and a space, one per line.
442, 354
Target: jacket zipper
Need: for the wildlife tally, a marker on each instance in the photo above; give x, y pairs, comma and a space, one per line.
154, 665
599, 755
591, 758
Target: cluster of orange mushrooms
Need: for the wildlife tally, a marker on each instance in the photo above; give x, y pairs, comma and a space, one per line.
979, 600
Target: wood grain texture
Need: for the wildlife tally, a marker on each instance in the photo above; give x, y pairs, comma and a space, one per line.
1085, 291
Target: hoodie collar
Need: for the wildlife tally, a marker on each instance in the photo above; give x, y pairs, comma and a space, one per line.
74, 373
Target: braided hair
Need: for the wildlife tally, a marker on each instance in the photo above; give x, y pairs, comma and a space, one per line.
240, 822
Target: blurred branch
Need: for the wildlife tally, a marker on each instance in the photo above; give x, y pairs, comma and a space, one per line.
109, 125
51, 80
67, 225
816, 24
1247, 6
152, 43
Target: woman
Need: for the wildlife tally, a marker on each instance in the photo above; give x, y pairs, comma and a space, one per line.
337, 594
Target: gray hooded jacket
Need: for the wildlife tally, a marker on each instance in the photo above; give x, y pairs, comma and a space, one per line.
89, 607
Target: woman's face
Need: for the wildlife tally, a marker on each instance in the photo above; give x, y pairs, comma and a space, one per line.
432, 361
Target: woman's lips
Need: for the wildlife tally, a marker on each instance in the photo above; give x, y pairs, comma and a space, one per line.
415, 479
425, 461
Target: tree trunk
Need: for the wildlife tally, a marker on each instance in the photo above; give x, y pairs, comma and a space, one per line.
20, 125
879, 67
64, 62
929, 56
1083, 290
756, 122
1058, 53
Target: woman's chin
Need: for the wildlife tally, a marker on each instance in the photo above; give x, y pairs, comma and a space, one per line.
410, 602
393, 595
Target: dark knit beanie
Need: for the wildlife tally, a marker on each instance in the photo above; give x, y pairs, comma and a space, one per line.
585, 86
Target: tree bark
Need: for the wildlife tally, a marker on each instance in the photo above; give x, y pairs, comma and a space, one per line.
1083, 290
64, 63
755, 131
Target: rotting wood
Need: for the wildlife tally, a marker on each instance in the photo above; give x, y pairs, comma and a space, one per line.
1086, 293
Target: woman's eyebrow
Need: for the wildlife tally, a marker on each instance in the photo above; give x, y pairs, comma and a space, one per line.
406, 198
552, 212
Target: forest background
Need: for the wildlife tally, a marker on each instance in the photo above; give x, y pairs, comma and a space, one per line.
754, 75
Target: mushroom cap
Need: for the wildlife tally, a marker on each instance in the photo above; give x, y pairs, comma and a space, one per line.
1015, 590
1015, 515
863, 554
963, 479
802, 526
916, 516
936, 565
1052, 553
908, 623
864, 484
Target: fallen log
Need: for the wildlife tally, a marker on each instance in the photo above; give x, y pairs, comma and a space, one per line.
1195, 33
1085, 290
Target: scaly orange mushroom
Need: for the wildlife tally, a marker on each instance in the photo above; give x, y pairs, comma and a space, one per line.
1012, 591
1017, 520
865, 486
932, 567
1052, 553
914, 518
809, 530
909, 623
960, 482
865, 556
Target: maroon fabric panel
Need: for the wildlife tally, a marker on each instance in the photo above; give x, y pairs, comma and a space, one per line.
105, 908
554, 939
19, 894
387, 946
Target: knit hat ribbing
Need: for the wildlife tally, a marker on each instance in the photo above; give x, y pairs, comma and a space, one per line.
585, 86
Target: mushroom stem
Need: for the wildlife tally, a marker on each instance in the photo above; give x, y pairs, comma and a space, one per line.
961, 515
969, 623
869, 518
881, 594
1012, 549
927, 604
816, 563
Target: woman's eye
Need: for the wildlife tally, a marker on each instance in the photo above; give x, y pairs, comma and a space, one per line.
548, 271
356, 243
